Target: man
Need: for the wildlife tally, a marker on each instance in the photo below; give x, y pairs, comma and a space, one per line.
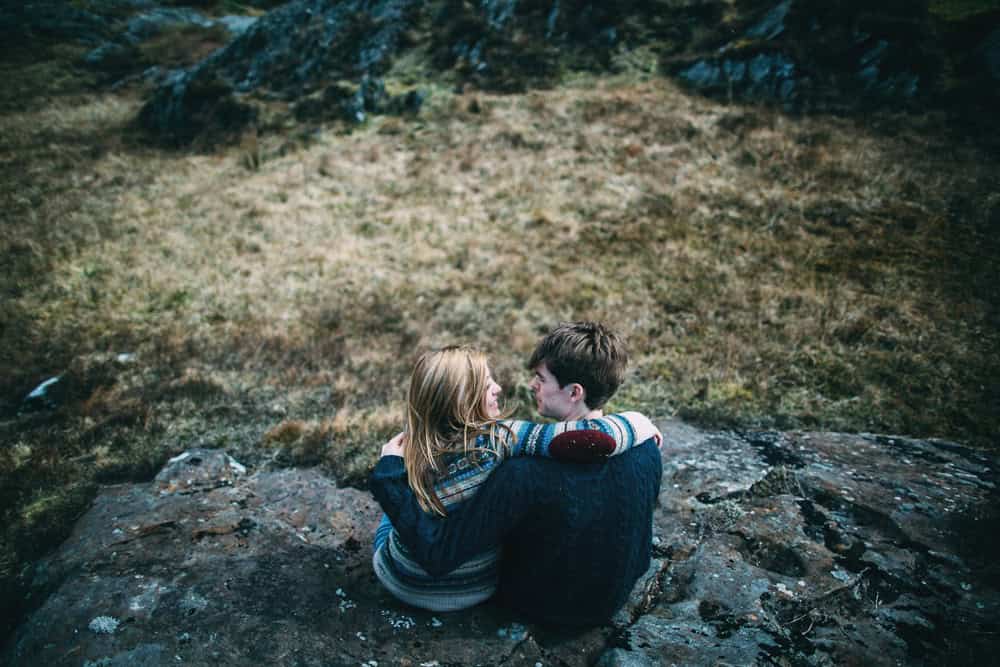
575, 537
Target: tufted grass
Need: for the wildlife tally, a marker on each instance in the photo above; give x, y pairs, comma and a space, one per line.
768, 271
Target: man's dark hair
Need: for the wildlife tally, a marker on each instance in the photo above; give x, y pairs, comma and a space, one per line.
587, 353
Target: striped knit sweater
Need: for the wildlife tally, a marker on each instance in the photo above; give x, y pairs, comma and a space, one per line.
475, 580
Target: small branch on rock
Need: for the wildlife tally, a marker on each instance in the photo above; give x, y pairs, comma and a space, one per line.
146, 531
847, 586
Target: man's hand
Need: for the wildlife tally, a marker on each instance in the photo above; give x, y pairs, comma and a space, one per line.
395, 446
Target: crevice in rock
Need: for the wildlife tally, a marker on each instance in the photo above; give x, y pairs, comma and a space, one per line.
814, 520
720, 617
862, 516
654, 592
773, 448
771, 556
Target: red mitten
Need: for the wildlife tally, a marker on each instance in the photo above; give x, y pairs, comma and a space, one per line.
582, 446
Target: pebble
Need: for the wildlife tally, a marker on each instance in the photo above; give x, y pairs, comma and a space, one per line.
400, 622
104, 625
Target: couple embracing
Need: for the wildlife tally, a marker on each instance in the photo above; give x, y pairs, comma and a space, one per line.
555, 519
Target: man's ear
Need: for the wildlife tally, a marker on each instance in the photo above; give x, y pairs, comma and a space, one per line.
577, 392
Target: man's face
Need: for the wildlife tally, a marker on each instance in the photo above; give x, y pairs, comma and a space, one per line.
551, 400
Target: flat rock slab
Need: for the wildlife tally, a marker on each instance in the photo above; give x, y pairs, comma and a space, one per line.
771, 548
823, 548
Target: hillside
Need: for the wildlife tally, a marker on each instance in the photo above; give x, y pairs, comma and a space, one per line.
264, 285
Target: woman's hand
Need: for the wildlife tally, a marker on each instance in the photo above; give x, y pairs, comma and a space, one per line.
395, 446
644, 428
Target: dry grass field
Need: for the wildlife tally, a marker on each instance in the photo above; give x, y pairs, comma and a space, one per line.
768, 271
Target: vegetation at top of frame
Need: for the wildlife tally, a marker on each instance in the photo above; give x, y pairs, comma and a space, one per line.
962, 10
769, 271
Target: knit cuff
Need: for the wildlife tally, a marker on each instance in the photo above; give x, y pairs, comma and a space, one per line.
389, 467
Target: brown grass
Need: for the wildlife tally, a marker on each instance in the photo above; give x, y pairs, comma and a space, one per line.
768, 271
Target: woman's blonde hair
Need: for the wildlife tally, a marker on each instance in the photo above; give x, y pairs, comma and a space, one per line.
445, 413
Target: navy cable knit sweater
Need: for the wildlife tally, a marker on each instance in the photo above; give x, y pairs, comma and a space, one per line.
575, 537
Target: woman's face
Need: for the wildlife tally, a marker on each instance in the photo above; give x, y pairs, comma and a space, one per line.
491, 400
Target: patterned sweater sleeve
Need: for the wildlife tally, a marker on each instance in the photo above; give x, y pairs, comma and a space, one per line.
572, 441
532, 439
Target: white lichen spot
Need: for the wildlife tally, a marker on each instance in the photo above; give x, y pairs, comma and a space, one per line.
180, 457
360, 636
238, 467
104, 625
783, 590
399, 622
435, 623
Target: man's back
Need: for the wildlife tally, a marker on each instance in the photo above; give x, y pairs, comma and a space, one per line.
575, 537
575, 558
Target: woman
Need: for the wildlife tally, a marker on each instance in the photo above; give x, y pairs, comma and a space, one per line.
454, 439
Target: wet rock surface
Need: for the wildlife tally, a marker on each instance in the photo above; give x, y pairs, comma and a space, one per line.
770, 548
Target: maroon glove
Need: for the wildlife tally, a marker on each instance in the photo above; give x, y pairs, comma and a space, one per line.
582, 446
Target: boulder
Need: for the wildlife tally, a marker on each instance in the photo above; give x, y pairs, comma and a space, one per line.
822, 549
804, 54
210, 564
770, 548
121, 58
291, 52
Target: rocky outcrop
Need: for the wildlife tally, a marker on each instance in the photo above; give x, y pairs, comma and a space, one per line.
800, 54
816, 549
808, 55
771, 548
293, 51
323, 59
